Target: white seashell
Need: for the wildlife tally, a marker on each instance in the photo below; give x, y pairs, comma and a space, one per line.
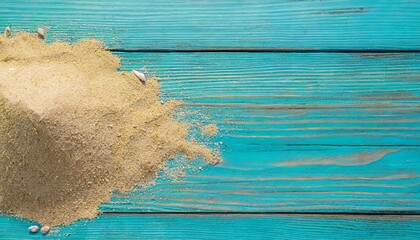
33, 229
8, 32
45, 229
42, 32
140, 76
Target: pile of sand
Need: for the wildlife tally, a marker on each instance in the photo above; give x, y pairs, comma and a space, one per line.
73, 129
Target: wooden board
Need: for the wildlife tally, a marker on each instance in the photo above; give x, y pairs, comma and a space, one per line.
232, 226
298, 132
221, 24
308, 133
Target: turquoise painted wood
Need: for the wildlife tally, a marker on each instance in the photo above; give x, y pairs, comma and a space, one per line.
315, 132
299, 132
231, 226
215, 24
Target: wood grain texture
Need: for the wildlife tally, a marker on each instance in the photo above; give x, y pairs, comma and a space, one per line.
227, 226
221, 24
334, 99
298, 132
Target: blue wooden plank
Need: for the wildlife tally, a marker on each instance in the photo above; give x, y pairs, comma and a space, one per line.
227, 226
204, 24
298, 132
258, 182
284, 99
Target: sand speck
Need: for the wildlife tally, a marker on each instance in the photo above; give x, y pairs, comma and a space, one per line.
209, 130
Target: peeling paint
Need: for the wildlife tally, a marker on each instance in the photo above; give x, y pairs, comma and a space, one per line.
357, 159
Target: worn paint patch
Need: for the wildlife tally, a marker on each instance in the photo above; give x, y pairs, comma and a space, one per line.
343, 11
391, 95
384, 55
357, 159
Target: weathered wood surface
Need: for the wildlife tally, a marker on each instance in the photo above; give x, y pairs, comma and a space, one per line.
221, 24
299, 132
231, 226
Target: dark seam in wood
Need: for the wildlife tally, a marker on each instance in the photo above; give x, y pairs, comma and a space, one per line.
364, 213
356, 145
265, 50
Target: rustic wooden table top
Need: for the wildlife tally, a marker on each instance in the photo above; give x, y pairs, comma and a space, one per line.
318, 104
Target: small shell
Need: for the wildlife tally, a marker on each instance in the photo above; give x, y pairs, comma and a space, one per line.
8, 32
45, 229
42, 32
140, 76
33, 229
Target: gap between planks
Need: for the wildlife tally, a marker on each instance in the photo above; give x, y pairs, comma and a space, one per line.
268, 50
354, 145
320, 214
